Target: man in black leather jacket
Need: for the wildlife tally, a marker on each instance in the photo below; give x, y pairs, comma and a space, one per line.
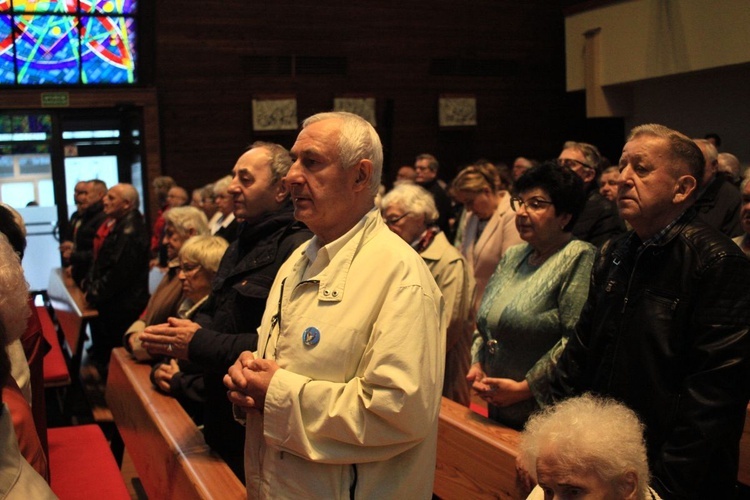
117, 283
665, 327
239, 291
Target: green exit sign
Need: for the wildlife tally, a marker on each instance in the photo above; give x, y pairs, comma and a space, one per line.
55, 100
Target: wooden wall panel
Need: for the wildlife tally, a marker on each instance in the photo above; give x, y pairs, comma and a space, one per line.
204, 74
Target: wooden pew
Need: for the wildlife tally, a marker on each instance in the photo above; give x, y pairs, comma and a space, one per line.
476, 458
167, 449
744, 474
72, 312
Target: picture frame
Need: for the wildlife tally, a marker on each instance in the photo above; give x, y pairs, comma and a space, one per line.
275, 112
363, 106
457, 111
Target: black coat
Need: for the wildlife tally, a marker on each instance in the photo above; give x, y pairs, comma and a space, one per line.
83, 255
117, 283
599, 220
236, 306
665, 331
443, 205
719, 207
118, 278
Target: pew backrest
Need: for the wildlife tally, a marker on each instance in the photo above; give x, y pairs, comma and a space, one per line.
71, 310
168, 451
476, 458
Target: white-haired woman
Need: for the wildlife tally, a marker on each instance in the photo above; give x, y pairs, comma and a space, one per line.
19, 441
586, 447
181, 223
199, 260
409, 211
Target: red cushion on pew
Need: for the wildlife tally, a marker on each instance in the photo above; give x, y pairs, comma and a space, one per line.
482, 410
82, 465
55, 369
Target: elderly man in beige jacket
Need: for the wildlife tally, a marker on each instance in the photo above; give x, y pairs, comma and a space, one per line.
343, 395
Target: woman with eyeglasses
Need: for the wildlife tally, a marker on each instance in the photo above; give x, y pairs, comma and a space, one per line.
181, 223
410, 212
533, 300
199, 260
489, 230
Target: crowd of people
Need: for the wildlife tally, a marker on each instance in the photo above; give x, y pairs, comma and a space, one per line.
311, 321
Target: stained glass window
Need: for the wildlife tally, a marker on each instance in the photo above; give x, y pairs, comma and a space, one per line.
68, 42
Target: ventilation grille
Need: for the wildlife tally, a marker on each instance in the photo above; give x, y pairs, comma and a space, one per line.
294, 65
473, 67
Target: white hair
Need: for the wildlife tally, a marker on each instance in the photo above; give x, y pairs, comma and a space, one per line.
412, 198
185, 219
589, 434
222, 185
14, 294
205, 250
358, 141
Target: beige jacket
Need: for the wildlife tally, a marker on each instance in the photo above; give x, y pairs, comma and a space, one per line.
359, 409
452, 276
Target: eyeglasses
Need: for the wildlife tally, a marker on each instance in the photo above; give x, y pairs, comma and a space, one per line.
532, 204
189, 268
394, 220
571, 163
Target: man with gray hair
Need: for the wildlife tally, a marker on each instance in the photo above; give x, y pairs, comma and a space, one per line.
666, 326
729, 167
117, 283
744, 240
718, 201
343, 393
599, 220
266, 237
78, 249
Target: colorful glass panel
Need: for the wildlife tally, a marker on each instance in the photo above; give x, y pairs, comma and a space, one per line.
46, 6
7, 66
109, 50
47, 49
109, 6
40, 44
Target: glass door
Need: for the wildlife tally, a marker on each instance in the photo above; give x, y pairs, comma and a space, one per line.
43, 154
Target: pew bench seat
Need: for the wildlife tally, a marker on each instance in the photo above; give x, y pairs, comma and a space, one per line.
56, 372
82, 465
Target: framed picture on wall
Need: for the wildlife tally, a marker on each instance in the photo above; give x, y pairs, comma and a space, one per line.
363, 106
457, 110
275, 112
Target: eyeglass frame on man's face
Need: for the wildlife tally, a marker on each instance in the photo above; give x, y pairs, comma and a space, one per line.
565, 162
534, 204
394, 220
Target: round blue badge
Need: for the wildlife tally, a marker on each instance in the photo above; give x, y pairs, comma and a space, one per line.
311, 336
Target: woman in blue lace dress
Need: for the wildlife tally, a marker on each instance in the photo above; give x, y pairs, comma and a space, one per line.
533, 300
